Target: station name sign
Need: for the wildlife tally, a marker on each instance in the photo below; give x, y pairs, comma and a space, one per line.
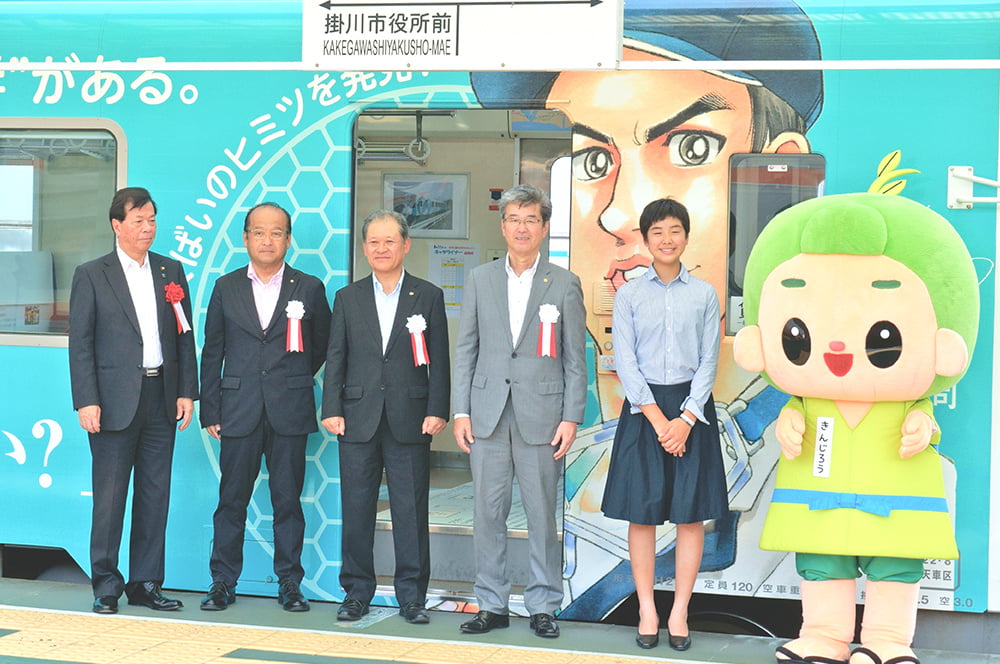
480, 35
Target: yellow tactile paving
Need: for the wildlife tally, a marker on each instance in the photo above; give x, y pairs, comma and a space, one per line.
100, 648
78, 637
436, 652
531, 657
173, 652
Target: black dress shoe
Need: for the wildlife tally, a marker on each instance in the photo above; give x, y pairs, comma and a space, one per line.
219, 597
415, 613
484, 622
679, 642
544, 625
352, 609
148, 594
291, 598
647, 641
106, 604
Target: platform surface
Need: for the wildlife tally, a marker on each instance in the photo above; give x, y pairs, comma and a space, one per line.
42, 622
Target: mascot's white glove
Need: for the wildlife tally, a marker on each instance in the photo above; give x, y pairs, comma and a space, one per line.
918, 427
789, 428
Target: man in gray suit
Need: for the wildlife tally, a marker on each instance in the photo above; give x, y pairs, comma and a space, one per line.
519, 391
134, 376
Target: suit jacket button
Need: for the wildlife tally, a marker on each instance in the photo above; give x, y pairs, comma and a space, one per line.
513, 354
264, 372
381, 387
507, 380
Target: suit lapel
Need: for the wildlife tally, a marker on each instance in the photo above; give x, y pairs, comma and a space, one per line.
116, 279
164, 310
247, 308
289, 284
367, 311
404, 308
498, 282
539, 286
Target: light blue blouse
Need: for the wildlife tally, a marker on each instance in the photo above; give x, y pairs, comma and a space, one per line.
666, 334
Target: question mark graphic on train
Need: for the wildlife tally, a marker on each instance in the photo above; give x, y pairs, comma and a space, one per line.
19, 454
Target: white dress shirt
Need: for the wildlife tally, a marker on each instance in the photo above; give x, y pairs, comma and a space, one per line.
385, 306
518, 291
140, 286
265, 295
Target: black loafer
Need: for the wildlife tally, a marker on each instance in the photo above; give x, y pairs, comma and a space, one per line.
647, 641
484, 622
415, 614
352, 609
680, 643
291, 598
219, 597
148, 594
105, 604
544, 625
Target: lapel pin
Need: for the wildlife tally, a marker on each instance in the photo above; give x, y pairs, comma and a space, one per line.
411, 292
545, 280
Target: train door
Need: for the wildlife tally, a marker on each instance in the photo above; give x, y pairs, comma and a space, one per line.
445, 170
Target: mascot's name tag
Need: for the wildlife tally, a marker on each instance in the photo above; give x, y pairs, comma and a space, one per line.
824, 447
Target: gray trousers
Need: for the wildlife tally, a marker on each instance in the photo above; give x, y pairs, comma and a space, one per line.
495, 462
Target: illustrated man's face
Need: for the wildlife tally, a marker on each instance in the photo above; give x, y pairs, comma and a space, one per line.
853, 328
137, 230
384, 246
267, 238
643, 135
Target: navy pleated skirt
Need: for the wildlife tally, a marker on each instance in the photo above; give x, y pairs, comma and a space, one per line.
646, 485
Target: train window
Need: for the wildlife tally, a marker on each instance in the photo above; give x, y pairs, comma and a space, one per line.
55, 182
761, 186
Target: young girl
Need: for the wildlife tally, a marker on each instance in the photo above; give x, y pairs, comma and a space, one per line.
666, 463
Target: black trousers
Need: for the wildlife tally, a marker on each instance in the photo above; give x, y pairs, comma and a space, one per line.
407, 469
239, 460
145, 448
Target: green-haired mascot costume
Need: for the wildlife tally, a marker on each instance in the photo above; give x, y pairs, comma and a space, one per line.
861, 306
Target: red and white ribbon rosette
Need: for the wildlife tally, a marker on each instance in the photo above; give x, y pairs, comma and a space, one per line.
416, 325
549, 315
174, 296
293, 336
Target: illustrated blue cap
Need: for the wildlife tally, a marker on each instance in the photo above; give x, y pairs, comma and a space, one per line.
697, 30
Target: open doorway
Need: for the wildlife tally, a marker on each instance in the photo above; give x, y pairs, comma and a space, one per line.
445, 170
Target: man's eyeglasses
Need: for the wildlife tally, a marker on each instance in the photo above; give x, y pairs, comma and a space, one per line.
530, 222
258, 234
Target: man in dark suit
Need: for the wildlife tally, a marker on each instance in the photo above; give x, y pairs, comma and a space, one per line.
386, 395
265, 338
134, 375
520, 391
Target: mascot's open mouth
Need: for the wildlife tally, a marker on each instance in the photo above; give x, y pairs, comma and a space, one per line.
839, 363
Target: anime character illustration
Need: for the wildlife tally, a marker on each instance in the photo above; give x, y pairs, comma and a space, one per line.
861, 306
640, 135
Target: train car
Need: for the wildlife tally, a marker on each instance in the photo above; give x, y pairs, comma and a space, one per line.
738, 108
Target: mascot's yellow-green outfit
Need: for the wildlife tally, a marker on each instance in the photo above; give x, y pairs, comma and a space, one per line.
861, 306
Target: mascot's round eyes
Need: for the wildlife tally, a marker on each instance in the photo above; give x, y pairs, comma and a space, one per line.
795, 342
884, 344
